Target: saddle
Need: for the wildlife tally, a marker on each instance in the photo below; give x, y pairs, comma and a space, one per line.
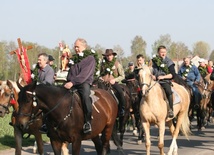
176, 96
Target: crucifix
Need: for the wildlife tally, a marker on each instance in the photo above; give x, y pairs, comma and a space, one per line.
21, 53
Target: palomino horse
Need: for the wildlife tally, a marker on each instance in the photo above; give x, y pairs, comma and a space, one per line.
153, 109
124, 119
65, 117
9, 95
205, 89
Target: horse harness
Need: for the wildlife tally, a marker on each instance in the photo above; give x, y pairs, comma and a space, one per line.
34, 116
11, 101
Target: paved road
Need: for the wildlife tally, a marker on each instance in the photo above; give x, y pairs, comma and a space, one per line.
200, 143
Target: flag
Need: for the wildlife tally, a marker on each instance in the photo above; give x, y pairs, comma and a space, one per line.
24, 64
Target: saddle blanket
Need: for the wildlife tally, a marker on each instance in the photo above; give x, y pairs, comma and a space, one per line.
176, 97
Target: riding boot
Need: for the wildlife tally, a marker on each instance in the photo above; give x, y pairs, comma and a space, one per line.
170, 112
121, 105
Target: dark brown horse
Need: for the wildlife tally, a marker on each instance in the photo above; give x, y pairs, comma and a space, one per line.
8, 97
124, 119
205, 88
135, 91
65, 117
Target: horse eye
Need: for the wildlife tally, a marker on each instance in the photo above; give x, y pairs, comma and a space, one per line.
7, 94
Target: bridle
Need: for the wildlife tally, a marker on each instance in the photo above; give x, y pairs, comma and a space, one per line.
150, 86
34, 115
6, 107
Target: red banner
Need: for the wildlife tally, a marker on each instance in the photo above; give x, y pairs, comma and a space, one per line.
24, 64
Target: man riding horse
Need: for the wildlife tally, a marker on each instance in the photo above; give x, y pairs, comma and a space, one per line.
163, 70
80, 76
112, 71
190, 73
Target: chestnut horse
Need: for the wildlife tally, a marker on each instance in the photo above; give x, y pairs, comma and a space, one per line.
65, 118
154, 110
8, 97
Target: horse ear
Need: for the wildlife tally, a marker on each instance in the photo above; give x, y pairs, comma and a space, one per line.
150, 63
10, 85
18, 84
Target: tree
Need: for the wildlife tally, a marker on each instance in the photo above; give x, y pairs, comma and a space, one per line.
212, 55
178, 50
138, 46
164, 40
119, 51
201, 49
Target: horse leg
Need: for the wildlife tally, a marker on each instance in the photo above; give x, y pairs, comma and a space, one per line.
18, 139
65, 150
146, 127
56, 145
122, 122
105, 138
39, 142
115, 137
98, 144
173, 145
76, 145
161, 137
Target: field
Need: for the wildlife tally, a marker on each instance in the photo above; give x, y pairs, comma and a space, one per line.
7, 136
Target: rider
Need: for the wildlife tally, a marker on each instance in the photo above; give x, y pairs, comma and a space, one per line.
129, 73
112, 71
190, 73
163, 70
45, 75
51, 62
80, 76
203, 70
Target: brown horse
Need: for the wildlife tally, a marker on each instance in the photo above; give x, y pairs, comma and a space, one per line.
135, 90
65, 117
123, 119
205, 89
9, 96
153, 109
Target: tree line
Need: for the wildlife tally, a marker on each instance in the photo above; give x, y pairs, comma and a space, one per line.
9, 67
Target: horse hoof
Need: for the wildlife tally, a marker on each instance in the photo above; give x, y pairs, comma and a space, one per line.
139, 142
135, 133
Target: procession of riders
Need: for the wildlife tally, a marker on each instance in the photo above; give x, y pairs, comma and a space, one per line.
80, 69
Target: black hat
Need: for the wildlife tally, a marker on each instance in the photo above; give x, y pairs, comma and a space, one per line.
50, 58
131, 64
109, 52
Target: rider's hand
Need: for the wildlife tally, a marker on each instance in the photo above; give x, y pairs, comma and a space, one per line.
160, 77
153, 77
68, 85
196, 82
112, 81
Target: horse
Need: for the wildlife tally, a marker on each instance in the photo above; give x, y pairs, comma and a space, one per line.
8, 97
154, 109
205, 87
65, 118
135, 90
124, 119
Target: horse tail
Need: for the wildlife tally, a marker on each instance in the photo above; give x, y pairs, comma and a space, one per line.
115, 137
185, 125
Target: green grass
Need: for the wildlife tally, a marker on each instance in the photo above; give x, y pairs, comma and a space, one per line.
7, 139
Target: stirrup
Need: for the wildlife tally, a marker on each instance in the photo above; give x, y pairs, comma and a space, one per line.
170, 113
87, 127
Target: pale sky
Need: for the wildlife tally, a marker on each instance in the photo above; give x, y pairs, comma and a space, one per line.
108, 23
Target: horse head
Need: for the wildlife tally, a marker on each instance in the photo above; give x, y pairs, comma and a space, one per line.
8, 96
28, 106
146, 78
134, 87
